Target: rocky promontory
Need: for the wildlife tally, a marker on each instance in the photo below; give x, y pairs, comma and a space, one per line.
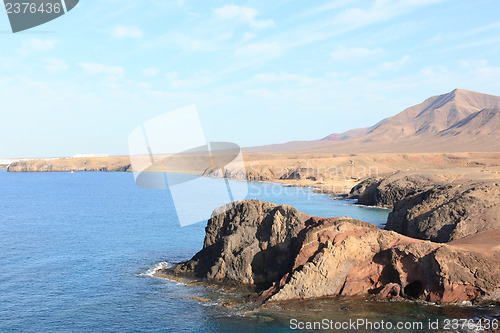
434, 205
285, 254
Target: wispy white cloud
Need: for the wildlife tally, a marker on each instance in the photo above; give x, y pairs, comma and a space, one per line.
472, 63
171, 75
96, 68
248, 36
262, 50
150, 72
36, 45
242, 14
143, 85
283, 77
182, 42
123, 32
440, 37
332, 5
381, 10
472, 44
395, 65
244, 66
54, 65
192, 83
353, 18
343, 53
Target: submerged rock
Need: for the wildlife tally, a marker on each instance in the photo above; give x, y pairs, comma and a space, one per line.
286, 254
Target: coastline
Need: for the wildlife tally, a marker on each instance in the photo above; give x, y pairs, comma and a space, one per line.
319, 187
235, 299
470, 245
163, 241
335, 174
248, 301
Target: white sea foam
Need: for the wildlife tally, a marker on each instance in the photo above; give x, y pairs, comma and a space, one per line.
208, 303
151, 271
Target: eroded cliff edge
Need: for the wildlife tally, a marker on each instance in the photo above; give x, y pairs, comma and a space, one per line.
439, 206
113, 163
286, 254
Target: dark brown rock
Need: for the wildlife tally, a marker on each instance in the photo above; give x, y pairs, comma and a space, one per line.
446, 213
252, 242
287, 255
428, 207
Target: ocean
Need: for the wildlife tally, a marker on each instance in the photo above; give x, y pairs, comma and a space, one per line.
77, 251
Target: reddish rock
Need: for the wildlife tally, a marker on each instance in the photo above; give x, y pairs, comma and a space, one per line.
288, 255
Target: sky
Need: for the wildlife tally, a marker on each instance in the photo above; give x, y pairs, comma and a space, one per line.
259, 72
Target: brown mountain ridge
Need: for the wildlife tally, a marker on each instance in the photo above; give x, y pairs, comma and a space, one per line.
459, 121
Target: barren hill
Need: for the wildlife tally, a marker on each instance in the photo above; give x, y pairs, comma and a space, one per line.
459, 121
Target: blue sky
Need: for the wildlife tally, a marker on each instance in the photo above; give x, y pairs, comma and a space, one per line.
259, 71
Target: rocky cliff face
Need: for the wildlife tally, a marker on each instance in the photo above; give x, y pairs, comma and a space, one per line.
253, 242
268, 174
287, 255
120, 164
428, 207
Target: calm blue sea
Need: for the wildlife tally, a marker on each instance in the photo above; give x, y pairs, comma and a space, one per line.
75, 250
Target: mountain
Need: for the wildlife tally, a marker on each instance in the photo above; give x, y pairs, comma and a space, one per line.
294, 145
459, 121
482, 123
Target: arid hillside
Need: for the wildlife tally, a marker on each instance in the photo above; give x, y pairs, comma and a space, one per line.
459, 121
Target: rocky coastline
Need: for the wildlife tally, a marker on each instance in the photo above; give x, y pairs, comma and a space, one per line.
110, 164
330, 173
441, 242
284, 254
435, 206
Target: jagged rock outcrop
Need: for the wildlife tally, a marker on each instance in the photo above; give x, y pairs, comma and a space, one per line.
303, 173
427, 207
251, 242
286, 255
446, 213
387, 191
267, 174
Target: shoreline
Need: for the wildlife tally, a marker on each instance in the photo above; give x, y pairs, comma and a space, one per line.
450, 250
234, 299
194, 282
445, 176
335, 174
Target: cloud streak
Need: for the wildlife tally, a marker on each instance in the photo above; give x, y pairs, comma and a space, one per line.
242, 14
125, 32
35, 45
344, 53
93, 68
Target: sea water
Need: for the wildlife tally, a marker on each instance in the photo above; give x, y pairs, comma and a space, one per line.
77, 251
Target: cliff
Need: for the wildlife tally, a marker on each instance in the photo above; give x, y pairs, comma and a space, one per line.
285, 254
114, 163
438, 206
